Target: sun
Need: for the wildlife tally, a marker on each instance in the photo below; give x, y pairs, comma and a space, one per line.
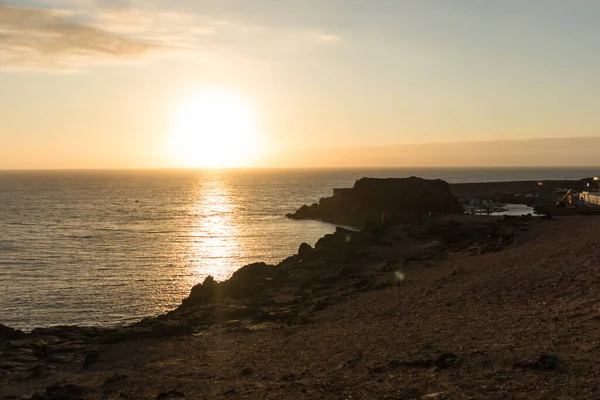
214, 130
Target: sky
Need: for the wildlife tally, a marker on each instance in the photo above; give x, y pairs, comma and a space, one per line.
98, 83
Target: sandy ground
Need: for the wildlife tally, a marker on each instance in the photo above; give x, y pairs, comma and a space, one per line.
522, 323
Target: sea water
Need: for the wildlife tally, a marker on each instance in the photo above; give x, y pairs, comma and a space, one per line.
111, 247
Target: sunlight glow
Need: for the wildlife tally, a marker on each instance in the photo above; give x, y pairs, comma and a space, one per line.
213, 247
214, 130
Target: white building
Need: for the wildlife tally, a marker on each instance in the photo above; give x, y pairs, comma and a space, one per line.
591, 198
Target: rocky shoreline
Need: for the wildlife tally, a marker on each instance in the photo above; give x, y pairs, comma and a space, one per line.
288, 294
272, 304
406, 199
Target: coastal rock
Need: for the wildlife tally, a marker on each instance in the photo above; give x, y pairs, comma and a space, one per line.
393, 199
8, 333
250, 272
245, 282
304, 250
202, 291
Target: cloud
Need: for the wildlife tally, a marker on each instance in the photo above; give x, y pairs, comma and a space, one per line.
172, 28
115, 4
84, 32
41, 38
327, 38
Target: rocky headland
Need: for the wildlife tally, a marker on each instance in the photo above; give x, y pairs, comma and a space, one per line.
440, 307
395, 199
408, 199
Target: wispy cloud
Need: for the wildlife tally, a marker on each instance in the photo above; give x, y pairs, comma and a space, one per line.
327, 38
39, 38
84, 32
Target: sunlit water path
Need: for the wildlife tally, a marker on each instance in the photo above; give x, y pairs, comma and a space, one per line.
106, 248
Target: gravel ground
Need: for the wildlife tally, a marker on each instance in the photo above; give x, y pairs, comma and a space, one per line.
521, 323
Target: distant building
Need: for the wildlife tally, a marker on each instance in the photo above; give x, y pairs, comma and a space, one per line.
591, 198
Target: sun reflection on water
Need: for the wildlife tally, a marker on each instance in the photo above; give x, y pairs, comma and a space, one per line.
213, 234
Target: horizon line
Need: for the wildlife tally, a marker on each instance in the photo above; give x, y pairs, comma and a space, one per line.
297, 168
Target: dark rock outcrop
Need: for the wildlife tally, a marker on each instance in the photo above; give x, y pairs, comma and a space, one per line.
399, 199
8, 333
244, 282
304, 250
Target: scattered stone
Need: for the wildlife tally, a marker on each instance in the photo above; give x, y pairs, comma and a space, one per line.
411, 364
40, 350
361, 283
246, 371
445, 360
288, 377
62, 392
59, 359
90, 359
319, 306
377, 369
13, 366
433, 395
39, 371
171, 394
350, 362
169, 329
328, 280
545, 362
346, 270
115, 378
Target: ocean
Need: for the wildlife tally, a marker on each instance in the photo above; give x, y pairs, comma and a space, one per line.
106, 248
